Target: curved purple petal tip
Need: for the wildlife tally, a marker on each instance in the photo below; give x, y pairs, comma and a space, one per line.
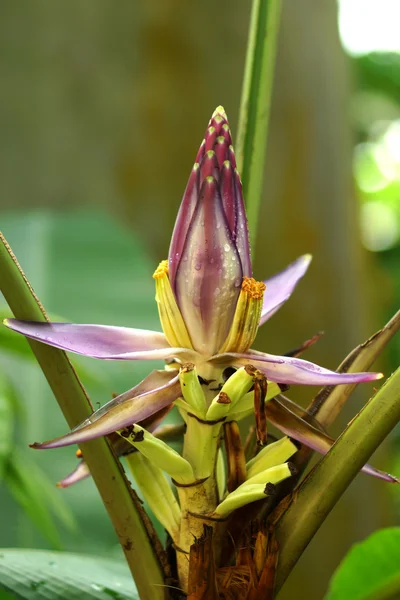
279, 287
286, 369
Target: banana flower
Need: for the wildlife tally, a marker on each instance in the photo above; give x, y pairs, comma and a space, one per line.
210, 309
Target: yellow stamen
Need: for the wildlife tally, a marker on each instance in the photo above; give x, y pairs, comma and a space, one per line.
247, 317
161, 270
170, 316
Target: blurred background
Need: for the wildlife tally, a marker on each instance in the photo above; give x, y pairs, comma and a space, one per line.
102, 108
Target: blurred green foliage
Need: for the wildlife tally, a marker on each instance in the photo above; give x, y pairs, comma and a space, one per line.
112, 285
376, 166
370, 571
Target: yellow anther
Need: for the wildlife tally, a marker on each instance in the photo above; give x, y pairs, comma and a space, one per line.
161, 270
255, 289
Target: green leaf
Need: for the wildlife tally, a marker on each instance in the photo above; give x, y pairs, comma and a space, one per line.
20, 479
251, 143
6, 422
37, 575
370, 571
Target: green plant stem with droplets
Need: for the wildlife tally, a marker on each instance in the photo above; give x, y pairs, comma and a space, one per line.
323, 487
137, 538
251, 139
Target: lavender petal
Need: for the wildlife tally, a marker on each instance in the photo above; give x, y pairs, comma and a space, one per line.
79, 474
99, 341
280, 287
286, 369
131, 407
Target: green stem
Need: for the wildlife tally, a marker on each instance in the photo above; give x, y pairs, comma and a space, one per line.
255, 104
135, 535
320, 491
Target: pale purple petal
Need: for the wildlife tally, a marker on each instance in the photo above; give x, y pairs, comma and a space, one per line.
209, 274
286, 369
120, 445
280, 287
81, 472
99, 341
295, 427
131, 407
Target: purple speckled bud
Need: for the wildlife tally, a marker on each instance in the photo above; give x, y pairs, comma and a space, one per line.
209, 253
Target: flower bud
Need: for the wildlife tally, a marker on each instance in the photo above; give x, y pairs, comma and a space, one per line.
209, 253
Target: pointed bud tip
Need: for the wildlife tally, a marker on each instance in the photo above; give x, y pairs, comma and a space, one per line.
219, 112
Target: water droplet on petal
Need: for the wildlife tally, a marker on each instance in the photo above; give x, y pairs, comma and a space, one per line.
227, 247
197, 266
217, 292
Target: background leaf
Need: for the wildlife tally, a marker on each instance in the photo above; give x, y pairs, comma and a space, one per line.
6, 422
38, 498
37, 575
370, 571
86, 268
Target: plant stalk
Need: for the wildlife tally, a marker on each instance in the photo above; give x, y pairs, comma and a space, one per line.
323, 487
134, 530
251, 142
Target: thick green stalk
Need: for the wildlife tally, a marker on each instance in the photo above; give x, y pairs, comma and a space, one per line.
135, 535
251, 142
320, 491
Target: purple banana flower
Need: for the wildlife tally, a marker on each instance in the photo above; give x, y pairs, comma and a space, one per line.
209, 304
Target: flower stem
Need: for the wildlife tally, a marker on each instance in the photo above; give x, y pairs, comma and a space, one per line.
200, 449
135, 533
320, 491
255, 104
